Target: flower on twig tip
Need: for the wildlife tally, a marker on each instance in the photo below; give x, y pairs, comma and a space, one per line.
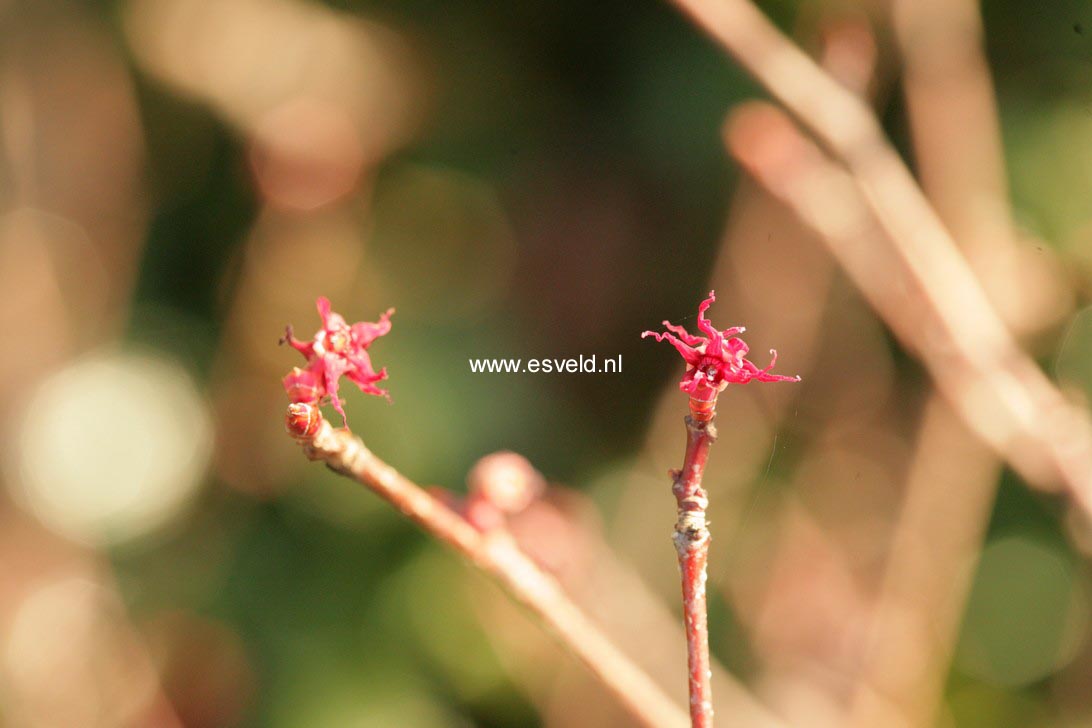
715, 360
336, 350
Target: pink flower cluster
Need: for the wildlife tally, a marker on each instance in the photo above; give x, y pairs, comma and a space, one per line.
715, 360
336, 350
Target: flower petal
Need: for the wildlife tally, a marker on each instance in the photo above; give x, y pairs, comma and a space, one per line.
364, 333
703, 323
337, 350
307, 348
688, 338
323, 306
691, 355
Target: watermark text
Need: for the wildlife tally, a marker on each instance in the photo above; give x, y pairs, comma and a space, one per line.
583, 364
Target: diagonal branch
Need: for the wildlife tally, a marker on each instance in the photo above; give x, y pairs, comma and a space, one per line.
923, 287
951, 485
495, 553
994, 386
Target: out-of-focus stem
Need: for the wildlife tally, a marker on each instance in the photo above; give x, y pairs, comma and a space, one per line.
953, 122
692, 544
932, 302
958, 154
951, 484
495, 553
999, 390
563, 530
933, 552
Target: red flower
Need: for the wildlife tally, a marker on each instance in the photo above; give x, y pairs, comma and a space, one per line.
337, 349
715, 360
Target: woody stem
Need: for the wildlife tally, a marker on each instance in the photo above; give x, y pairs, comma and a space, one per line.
692, 544
498, 555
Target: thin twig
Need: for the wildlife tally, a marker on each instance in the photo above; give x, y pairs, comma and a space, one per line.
714, 361
788, 295
692, 544
998, 390
495, 553
563, 532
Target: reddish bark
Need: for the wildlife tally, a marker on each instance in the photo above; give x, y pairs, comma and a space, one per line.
713, 361
692, 544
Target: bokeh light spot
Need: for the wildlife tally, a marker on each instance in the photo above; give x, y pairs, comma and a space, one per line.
112, 447
70, 659
306, 154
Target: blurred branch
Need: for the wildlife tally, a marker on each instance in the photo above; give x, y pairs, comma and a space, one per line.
957, 146
953, 120
849, 53
951, 485
563, 533
927, 575
494, 552
934, 303
958, 153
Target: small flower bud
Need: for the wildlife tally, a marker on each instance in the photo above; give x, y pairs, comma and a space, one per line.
302, 420
506, 480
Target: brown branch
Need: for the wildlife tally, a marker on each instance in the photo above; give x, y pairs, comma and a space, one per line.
692, 544
959, 158
939, 313
927, 577
929, 296
951, 485
495, 553
953, 122
563, 532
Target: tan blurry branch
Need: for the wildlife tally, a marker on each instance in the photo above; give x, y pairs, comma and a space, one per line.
495, 552
878, 224
951, 484
563, 531
994, 386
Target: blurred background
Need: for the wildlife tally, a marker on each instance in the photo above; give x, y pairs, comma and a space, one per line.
181, 178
